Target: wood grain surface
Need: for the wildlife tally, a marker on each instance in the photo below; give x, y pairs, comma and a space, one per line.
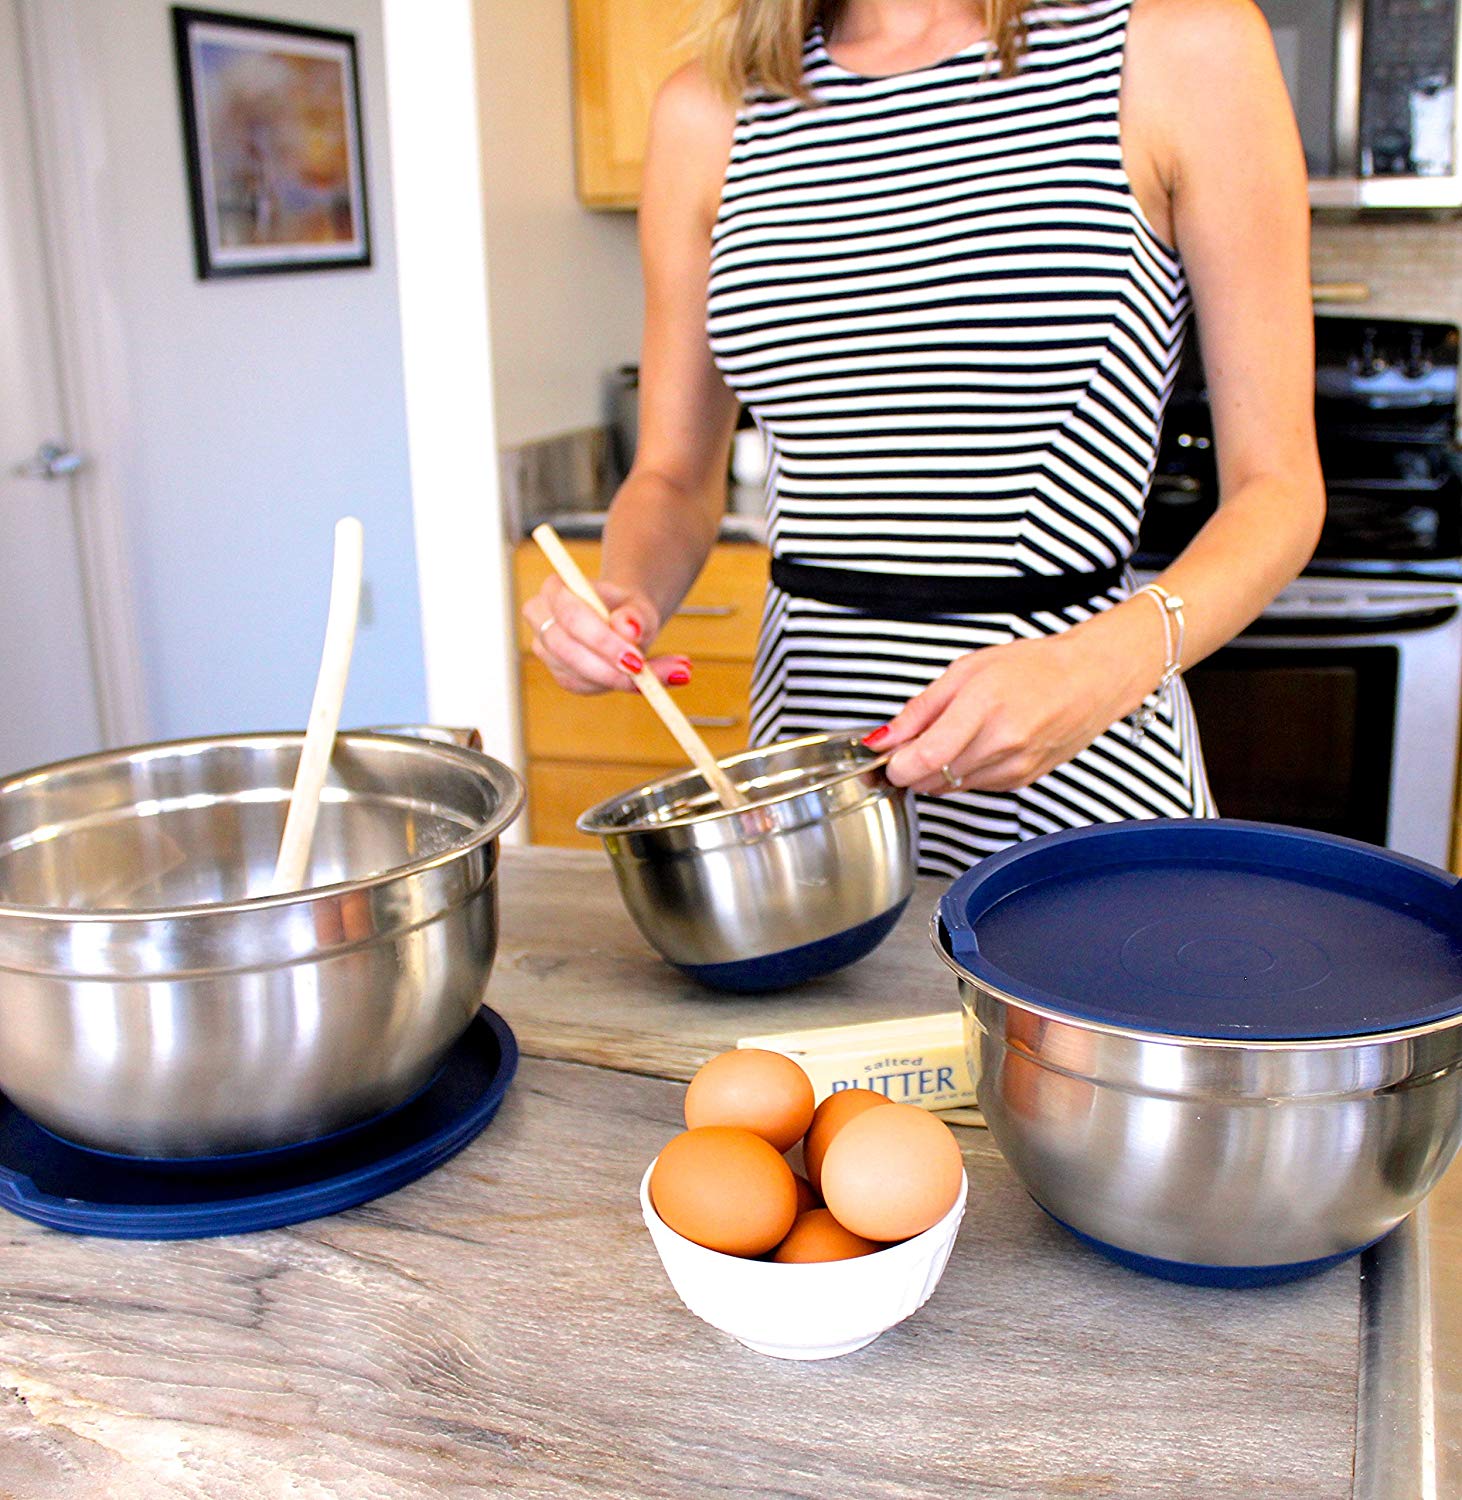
503, 1327
578, 982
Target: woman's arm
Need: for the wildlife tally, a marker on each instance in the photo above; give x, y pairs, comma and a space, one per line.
665, 517
1213, 149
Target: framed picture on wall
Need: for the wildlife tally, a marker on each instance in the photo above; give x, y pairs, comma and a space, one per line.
273, 140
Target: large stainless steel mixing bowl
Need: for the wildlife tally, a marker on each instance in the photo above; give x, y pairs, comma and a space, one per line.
811, 876
152, 1002
1220, 1162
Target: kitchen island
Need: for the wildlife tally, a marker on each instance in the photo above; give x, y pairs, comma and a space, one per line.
503, 1326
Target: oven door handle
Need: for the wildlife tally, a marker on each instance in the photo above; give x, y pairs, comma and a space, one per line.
1392, 620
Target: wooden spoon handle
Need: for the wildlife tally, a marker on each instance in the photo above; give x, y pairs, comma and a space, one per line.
309, 780
650, 686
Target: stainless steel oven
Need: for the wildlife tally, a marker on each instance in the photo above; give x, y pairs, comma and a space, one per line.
1339, 708
1374, 84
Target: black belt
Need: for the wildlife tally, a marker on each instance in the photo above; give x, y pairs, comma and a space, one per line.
919, 596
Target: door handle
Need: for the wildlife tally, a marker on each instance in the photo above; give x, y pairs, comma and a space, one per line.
50, 461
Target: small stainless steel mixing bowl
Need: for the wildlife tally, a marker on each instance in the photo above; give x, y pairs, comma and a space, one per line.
1214, 1161
154, 1003
811, 876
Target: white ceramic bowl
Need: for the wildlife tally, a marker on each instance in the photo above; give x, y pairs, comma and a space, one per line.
805, 1311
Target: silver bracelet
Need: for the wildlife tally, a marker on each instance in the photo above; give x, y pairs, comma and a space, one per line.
1174, 633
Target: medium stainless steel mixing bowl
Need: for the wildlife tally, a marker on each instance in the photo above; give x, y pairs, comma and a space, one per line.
1226, 1162
813, 875
154, 1003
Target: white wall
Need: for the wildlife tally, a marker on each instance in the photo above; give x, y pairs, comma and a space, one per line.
260, 410
564, 281
467, 627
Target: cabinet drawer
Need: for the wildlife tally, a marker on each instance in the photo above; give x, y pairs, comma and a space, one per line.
558, 791
622, 727
719, 619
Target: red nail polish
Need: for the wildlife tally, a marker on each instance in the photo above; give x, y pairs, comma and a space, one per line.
632, 662
874, 740
634, 626
678, 678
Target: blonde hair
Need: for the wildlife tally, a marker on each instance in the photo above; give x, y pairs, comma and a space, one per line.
758, 43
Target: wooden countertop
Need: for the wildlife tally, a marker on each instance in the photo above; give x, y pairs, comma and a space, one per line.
577, 981
503, 1326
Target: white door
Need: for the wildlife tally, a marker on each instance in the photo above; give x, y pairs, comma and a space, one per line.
48, 694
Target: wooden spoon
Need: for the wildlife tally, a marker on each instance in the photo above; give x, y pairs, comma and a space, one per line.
309, 781
650, 686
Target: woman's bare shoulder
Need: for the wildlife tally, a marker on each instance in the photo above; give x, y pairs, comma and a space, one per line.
691, 128
1202, 77
1201, 39
688, 105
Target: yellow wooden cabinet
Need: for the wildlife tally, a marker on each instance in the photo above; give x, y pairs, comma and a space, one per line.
623, 51
582, 750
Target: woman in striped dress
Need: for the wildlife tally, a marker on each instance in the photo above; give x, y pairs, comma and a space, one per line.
945, 252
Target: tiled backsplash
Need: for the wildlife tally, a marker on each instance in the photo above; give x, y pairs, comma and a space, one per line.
1414, 270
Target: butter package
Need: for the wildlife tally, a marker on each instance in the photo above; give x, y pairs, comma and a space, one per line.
919, 1060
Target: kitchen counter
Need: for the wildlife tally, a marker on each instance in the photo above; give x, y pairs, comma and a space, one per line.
588, 525
504, 1326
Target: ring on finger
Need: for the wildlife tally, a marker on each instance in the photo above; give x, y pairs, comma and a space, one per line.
953, 782
542, 630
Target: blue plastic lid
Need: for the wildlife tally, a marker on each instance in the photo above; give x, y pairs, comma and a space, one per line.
1213, 928
93, 1192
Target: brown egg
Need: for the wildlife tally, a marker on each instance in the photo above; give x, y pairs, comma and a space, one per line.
763, 1092
726, 1189
892, 1173
830, 1116
806, 1198
817, 1236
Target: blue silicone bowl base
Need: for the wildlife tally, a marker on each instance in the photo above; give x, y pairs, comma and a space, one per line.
1232, 1277
243, 1161
86, 1192
793, 966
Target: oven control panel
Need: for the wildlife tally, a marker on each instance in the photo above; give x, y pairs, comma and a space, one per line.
1377, 365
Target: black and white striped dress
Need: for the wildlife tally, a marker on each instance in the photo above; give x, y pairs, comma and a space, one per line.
938, 296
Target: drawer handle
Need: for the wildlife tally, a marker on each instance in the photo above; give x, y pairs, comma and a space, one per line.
706, 611
714, 721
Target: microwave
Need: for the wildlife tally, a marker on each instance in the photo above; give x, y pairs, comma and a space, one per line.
1374, 84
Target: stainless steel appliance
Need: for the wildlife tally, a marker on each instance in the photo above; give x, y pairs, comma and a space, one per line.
624, 418
1338, 709
1374, 84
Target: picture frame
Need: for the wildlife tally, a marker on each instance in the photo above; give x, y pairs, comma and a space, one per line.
274, 145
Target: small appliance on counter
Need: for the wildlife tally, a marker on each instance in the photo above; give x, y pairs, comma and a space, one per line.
1360, 660
624, 417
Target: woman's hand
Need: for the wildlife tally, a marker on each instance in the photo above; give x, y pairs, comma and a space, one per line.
587, 655
1000, 718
